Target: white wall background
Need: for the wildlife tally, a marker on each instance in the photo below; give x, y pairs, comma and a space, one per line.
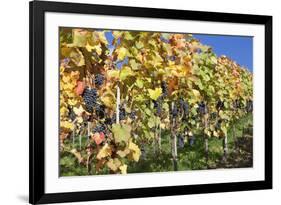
14, 100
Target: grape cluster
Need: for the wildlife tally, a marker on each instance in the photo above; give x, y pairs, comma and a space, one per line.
157, 107
213, 115
90, 98
174, 112
191, 140
99, 80
100, 111
249, 106
133, 115
122, 113
202, 109
108, 121
237, 104
218, 124
99, 128
180, 141
183, 106
219, 105
164, 88
71, 115
143, 152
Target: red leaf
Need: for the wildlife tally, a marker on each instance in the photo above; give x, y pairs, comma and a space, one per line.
80, 88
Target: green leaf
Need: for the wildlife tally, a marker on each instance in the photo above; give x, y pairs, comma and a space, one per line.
121, 53
134, 64
139, 83
125, 72
121, 133
79, 37
155, 94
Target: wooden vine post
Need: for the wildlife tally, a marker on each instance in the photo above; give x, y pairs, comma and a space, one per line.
174, 142
206, 139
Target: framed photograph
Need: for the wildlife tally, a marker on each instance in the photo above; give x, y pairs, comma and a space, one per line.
140, 102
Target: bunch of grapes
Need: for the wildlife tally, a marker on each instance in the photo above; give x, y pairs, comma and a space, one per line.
174, 112
180, 141
237, 104
249, 107
157, 107
143, 152
99, 128
202, 109
99, 80
71, 115
122, 113
213, 115
184, 106
191, 140
218, 124
219, 105
164, 88
100, 111
109, 121
90, 98
133, 115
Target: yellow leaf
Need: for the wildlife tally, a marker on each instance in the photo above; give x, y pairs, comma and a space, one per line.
67, 125
135, 150
104, 152
155, 94
113, 73
123, 169
123, 153
121, 53
78, 111
80, 119
89, 48
125, 72
114, 164
196, 93
63, 111
108, 100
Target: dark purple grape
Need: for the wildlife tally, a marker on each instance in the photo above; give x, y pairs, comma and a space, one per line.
100, 110
71, 115
218, 124
249, 106
164, 88
133, 115
180, 141
108, 121
99, 128
90, 98
213, 115
202, 108
220, 105
183, 106
99, 80
122, 113
191, 140
174, 112
157, 107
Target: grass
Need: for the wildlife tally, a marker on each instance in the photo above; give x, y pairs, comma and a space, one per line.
189, 157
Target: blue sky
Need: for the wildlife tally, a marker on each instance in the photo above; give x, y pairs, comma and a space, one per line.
237, 48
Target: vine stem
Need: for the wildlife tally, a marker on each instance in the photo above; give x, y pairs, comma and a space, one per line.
225, 148
206, 141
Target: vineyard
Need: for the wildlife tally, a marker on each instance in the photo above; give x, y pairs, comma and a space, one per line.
150, 102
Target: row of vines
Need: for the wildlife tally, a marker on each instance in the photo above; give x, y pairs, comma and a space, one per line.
126, 93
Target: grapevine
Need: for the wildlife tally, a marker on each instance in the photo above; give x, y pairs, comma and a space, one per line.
144, 96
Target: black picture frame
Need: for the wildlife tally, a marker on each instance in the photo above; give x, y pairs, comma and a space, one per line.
37, 10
